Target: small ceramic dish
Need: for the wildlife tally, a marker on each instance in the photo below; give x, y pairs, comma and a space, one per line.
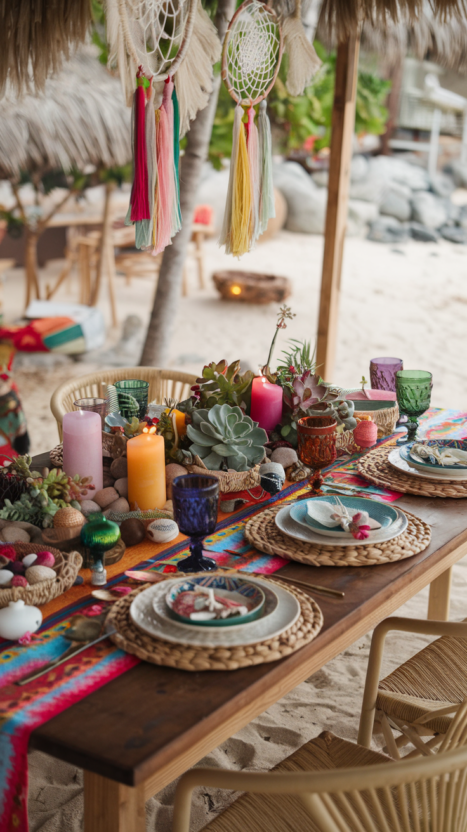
297, 528
396, 460
383, 513
241, 591
407, 453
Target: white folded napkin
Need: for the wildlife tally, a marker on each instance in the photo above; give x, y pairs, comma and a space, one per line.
439, 455
333, 515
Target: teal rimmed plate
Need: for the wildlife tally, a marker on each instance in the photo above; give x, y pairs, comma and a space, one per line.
244, 592
297, 528
407, 454
384, 514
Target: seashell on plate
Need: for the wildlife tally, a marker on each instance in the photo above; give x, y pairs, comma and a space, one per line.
162, 530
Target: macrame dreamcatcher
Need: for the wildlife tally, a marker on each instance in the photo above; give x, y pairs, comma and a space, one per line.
250, 63
166, 48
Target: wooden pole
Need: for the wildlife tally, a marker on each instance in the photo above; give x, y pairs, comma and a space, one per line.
343, 120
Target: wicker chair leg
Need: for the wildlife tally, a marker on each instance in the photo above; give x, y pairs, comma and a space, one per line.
391, 744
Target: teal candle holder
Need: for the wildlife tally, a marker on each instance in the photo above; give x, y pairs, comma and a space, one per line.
99, 535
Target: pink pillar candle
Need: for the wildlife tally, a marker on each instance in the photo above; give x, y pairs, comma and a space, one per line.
82, 446
266, 403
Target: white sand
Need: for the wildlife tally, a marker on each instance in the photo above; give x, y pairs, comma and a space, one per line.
408, 300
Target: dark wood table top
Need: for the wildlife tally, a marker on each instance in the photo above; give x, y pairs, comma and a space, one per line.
151, 717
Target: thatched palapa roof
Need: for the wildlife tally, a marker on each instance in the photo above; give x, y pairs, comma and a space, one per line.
79, 119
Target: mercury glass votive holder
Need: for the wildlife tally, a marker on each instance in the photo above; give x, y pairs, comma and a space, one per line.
132, 396
94, 405
195, 500
413, 390
317, 446
383, 373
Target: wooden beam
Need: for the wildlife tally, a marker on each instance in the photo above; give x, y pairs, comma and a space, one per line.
112, 807
343, 120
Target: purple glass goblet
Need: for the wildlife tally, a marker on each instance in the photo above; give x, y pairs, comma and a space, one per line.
383, 373
195, 501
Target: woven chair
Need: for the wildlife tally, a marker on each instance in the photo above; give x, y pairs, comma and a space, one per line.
332, 785
162, 384
420, 698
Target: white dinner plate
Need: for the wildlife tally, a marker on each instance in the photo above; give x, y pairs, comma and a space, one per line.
145, 617
400, 464
303, 532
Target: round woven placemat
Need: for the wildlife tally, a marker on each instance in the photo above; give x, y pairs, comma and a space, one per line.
374, 466
261, 531
129, 638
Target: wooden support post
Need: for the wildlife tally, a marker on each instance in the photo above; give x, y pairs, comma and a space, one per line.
343, 120
112, 807
440, 597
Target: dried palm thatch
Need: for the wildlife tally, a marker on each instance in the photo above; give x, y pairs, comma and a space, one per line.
79, 119
35, 37
342, 18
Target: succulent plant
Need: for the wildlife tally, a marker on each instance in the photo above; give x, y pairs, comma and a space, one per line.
224, 437
307, 393
31, 510
46, 492
223, 383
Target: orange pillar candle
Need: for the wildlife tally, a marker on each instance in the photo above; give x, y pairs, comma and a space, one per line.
146, 472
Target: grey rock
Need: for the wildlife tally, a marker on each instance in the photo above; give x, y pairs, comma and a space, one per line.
429, 209
395, 205
390, 169
121, 486
306, 203
454, 234
400, 189
462, 216
422, 233
89, 507
362, 212
320, 178
442, 184
459, 173
370, 189
358, 168
284, 456
387, 230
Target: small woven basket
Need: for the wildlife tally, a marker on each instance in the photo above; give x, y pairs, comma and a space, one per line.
66, 568
229, 481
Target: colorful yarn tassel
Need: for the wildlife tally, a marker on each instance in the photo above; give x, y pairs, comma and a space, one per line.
177, 214
254, 162
267, 208
166, 191
237, 225
139, 193
143, 229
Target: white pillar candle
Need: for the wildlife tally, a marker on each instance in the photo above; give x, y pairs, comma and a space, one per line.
82, 446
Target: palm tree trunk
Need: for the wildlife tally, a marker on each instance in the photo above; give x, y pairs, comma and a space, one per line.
157, 345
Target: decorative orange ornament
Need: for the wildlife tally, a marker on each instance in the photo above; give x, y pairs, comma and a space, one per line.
365, 434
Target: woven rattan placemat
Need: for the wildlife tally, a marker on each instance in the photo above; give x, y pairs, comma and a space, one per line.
374, 466
129, 638
261, 531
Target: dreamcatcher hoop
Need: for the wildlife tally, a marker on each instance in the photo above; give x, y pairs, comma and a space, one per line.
133, 29
261, 58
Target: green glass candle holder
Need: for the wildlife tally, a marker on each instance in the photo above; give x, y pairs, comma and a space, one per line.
413, 390
99, 535
132, 394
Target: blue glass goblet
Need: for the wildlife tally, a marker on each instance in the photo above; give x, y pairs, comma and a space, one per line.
195, 501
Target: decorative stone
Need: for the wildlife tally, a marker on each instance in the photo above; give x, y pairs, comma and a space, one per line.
119, 468
28, 561
89, 507
387, 230
454, 235
429, 209
422, 233
5, 577
19, 580
162, 530
45, 559
68, 518
121, 506
133, 531
284, 456
297, 472
172, 470
107, 479
121, 486
12, 534
272, 477
37, 574
105, 497
395, 205
17, 619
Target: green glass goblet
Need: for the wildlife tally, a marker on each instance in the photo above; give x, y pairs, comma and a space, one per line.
413, 391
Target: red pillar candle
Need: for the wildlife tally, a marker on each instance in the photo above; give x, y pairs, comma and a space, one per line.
266, 403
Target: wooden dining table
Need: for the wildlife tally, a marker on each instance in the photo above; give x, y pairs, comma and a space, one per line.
140, 731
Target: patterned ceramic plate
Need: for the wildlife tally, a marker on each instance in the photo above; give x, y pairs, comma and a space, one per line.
382, 512
285, 611
299, 529
412, 459
395, 459
250, 595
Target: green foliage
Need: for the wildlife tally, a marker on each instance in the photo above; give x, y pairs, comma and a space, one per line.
297, 360
224, 437
295, 119
223, 383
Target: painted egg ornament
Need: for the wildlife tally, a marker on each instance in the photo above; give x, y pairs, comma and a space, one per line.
8, 552
37, 574
5, 577
17, 619
44, 559
162, 530
28, 560
19, 580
